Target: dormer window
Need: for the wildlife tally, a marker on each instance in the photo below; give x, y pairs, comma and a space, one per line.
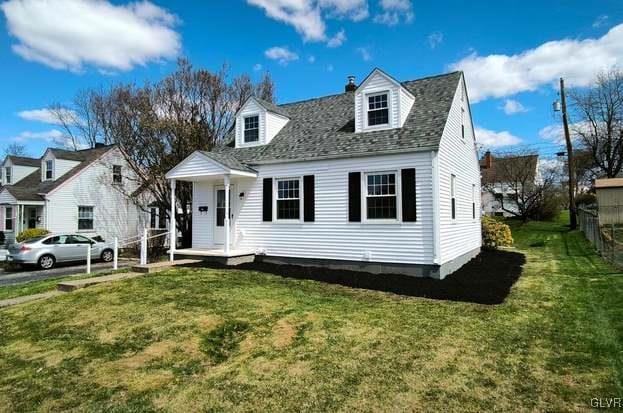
251, 129
117, 178
7, 175
378, 109
49, 170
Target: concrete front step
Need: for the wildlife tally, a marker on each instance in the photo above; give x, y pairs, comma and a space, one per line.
163, 265
87, 282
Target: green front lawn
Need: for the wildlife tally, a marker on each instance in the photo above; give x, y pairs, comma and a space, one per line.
233, 340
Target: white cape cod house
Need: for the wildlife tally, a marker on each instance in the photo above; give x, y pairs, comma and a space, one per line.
69, 191
382, 178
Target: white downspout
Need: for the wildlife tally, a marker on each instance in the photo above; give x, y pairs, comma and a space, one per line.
227, 230
172, 224
436, 213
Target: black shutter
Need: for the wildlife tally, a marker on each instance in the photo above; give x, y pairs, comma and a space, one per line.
354, 196
408, 195
308, 198
267, 200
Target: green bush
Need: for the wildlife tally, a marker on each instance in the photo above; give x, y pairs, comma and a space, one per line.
585, 198
495, 233
31, 233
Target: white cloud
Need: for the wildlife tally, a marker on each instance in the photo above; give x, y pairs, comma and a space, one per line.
600, 21
338, 39
435, 39
69, 34
308, 16
281, 54
493, 139
499, 75
556, 134
257, 67
365, 53
512, 107
393, 11
45, 115
53, 137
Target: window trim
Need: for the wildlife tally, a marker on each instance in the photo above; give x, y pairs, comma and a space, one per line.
92, 219
364, 197
276, 195
366, 108
120, 174
8, 175
51, 170
12, 219
244, 118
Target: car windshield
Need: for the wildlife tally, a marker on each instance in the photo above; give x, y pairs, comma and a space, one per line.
32, 240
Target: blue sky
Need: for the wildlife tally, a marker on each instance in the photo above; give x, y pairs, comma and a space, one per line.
512, 52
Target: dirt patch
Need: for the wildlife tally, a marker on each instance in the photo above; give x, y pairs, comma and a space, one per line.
486, 279
283, 333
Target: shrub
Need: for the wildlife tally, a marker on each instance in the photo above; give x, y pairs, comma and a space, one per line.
585, 198
31, 233
495, 233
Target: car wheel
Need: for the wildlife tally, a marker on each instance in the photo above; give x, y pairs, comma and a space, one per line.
107, 255
46, 262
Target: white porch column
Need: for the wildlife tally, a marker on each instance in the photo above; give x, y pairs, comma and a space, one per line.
172, 224
227, 230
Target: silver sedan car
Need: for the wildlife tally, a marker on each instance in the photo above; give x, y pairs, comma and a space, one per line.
47, 250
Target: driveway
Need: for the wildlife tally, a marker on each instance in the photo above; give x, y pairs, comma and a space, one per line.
19, 276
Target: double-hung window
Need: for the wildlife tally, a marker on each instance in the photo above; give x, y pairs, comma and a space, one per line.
49, 170
288, 199
381, 198
85, 217
453, 195
378, 109
117, 178
7, 175
251, 129
8, 218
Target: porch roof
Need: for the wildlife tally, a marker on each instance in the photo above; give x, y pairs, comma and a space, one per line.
201, 164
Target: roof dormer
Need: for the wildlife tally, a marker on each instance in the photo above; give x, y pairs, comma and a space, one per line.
381, 102
16, 168
53, 166
258, 122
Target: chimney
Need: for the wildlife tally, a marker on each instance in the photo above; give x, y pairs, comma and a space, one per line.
488, 160
350, 86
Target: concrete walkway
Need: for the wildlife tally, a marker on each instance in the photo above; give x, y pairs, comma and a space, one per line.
67, 286
27, 298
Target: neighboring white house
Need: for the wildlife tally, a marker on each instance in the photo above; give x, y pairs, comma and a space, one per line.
69, 191
382, 178
498, 195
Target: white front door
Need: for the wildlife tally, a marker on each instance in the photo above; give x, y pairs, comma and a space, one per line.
219, 213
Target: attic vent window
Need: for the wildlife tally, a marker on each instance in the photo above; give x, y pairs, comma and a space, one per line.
251, 129
378, 110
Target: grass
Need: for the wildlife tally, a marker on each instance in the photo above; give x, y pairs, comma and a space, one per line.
36, 287
232, 340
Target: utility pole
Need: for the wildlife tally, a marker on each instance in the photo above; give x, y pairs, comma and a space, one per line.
573, 218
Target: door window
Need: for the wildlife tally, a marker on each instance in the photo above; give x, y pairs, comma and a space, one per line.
220, 207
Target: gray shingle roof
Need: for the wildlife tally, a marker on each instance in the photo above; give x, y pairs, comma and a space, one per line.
24, 161
30, 188
324, 127
228, 161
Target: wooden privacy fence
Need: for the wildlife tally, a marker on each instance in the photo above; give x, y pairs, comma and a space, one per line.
607, 239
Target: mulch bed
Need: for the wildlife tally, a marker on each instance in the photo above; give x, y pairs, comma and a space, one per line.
487, 279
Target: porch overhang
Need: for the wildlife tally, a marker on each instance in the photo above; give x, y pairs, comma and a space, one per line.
201, 166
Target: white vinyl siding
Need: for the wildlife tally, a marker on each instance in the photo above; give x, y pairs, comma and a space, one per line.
196, 165
458, 157
330, 236
114, 214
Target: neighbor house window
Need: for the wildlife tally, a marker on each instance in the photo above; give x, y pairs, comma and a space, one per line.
378, 110
251, 129
7, 175
8, 218
49, 169
288, 199
381, 196
116, 175
157, 218
453, 195
85, 217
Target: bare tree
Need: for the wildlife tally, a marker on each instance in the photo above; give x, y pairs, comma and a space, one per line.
15, 149
519, 183
157, 126
599, 120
